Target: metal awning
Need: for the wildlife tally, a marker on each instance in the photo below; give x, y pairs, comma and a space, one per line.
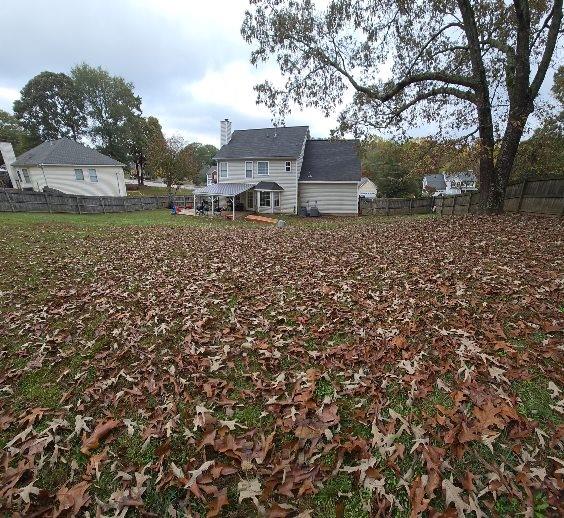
268, 186
223, 189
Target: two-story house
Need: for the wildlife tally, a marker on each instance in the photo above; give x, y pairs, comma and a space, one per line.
443, 184
279, 170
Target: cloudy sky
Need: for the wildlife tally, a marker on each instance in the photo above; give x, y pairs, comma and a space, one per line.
186, 58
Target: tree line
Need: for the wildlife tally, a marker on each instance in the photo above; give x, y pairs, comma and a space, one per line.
397, 167
89, 104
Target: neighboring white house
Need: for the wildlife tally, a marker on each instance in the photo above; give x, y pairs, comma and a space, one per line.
279, 170
367, 189
443, 184
67, 166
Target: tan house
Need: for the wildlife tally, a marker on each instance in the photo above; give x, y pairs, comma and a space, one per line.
67, 166
280, 170
367, 189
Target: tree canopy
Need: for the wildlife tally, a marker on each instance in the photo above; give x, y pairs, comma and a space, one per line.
112, 108
204, 154
50, 107
464, 66
384, 162
11, 130
173, 160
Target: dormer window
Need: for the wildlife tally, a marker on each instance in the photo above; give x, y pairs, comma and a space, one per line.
288, 167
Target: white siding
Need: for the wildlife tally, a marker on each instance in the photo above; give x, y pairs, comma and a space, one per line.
110, 180
277, 173
331, 198
368, 188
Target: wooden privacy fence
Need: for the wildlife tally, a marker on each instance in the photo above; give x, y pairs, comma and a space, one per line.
14, 200
396, 206
539, 196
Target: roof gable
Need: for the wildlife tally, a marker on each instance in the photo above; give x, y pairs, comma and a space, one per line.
331, 161
437, 181
282, 142
64, 152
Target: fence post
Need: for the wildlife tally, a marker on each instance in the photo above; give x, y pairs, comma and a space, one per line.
387, 206
10, 201
103, 205
124, 205
411, 206
521, 193
78, 205
47, 202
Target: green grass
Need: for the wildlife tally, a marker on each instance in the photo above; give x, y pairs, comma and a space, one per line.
164, 218
39, 388
140, 218
340, 489
147, 190
536, 401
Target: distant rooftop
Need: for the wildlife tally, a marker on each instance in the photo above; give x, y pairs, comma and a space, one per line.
64, 152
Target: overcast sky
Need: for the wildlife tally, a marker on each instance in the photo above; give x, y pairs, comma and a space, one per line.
186, 58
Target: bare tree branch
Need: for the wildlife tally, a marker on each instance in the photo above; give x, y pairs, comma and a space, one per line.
552, 37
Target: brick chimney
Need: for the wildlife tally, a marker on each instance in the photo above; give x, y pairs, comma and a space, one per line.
225, 136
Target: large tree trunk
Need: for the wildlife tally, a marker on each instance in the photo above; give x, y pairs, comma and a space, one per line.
491, 198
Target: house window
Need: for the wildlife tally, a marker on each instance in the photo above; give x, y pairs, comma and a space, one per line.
264, 199
250, 199
79, 175
262, 168
288, 167
93, 175
248, 169
26, 176
276, 196
19, 177
223, 170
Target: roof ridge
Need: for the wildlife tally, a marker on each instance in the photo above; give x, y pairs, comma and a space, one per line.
333, 140
271, 127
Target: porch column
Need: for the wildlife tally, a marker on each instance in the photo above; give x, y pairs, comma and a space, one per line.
233, 208
272, 202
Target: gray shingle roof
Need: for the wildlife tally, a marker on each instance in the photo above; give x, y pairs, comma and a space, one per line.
63, 152
437, 181
463, 176
283, 142
331, 161
268, 186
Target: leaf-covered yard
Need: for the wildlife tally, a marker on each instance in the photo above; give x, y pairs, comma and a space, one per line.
375, 367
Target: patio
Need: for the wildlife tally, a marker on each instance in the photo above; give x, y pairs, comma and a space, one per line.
262, 198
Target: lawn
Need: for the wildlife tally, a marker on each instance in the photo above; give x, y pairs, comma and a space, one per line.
159, 365
149, 190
